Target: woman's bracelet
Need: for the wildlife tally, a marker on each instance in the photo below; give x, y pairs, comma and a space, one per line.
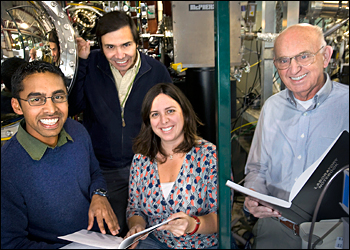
198, 222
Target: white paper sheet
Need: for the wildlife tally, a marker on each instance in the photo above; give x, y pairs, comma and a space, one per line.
105, 241
94, 239
129, 241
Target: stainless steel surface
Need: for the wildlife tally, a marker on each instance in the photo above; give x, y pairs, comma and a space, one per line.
267, 67
332, 9
193, 33
290, 13
26, 25
10, 130
335, 27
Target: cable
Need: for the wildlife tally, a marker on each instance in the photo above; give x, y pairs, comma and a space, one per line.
247, 130
243, 126
318, 204
243, 133
246, 85
246, 82
276, 79
255, 63
274, 75
6, 138
244, 108
327, 233
250, 53
257, 70
319, 21
245, 105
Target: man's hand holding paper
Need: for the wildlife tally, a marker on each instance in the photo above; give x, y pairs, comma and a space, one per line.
258, 210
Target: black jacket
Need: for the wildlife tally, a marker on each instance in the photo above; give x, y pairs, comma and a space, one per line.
95, 93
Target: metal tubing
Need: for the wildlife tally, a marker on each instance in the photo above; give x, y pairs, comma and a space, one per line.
335, 27
268, 24
222, 75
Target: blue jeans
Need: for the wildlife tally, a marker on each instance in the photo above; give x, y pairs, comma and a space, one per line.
151, 242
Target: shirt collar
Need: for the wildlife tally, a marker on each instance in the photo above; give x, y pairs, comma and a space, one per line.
320, 96
35, 148
138, 60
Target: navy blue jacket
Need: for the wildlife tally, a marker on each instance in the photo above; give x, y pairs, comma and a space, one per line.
95, 93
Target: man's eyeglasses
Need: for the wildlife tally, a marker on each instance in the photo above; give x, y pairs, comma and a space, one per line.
41, 100
303, 59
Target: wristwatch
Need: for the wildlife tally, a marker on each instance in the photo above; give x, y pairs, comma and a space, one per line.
100, 191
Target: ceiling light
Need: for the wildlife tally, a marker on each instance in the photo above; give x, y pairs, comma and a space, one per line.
24, 25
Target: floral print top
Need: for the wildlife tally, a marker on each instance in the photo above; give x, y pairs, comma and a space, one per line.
194, 192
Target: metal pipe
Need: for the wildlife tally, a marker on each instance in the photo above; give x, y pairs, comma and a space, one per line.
330, 9
160, 11
335, 27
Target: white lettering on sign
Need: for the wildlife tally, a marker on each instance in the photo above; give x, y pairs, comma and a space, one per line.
200, 7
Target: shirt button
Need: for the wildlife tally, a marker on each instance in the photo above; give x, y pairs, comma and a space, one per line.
299, 157
305, 114
302, 136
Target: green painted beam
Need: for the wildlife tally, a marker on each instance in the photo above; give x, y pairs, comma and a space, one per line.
222, 75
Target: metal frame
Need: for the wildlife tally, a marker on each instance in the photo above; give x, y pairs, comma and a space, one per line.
222, 75
66, 36
267, 67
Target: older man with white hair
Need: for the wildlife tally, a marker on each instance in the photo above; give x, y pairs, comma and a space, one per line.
295, 127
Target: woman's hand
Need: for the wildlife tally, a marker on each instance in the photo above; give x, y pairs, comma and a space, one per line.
135, 229
182, 225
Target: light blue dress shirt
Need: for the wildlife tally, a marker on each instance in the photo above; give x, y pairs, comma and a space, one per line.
289, 138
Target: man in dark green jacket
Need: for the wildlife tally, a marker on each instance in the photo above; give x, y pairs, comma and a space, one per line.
109, 89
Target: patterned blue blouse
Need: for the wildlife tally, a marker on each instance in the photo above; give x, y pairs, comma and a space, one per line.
194, 192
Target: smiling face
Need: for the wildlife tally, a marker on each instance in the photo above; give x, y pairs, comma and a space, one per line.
54, 51
32, 54
42, 122
119, 48
167, 120
303, 81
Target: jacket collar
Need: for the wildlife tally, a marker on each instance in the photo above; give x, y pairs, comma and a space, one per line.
103, 65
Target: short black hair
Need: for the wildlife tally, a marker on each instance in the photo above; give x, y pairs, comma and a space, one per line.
31, 68
113, 21
8, 68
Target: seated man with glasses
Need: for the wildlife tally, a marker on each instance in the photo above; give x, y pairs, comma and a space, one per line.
295, 127
51, 182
